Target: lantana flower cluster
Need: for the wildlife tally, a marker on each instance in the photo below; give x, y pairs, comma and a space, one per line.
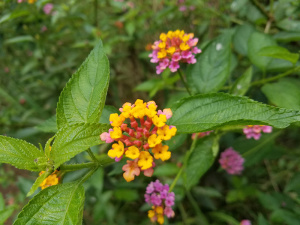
231, 161
52, 179
254, 131
173, 48
158, 196
136, 130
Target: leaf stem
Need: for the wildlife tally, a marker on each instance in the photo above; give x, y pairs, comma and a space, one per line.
73, 167
183, 81
184, 164
263, 81
88, 175
91, 154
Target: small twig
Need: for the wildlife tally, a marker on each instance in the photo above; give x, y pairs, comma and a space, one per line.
91, 154
184, 83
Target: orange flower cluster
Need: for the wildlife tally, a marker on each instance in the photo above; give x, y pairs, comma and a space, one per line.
52, 179
146, 129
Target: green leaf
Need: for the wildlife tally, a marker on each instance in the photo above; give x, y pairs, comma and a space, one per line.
241, 37
212, 69
21, 154
49, 125
6, 213
242, 84
283, 216
19, 39
262, 220
289, 25
149, 85
209, 111
167, 169
2, 202
59, 204
284, 93
72, 140
127, 195
83, 98
256, 42
293, 184
37, 182
287, 36
224, 217
199, 161
279, 53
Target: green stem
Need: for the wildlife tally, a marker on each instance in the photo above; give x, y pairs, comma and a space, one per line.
184, 83
263, 81
72, 167
184, 164
91, 154
88, 175
199, 213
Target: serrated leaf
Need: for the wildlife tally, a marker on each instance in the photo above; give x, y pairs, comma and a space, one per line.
284, 93
256, 42
72, 140
199, 161
6, 213
242, 84
56, 205
37, 182
209, 111
213, 66
83, 98
21, 154
279, 53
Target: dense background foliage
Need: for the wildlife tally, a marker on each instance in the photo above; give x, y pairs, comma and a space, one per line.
39, 52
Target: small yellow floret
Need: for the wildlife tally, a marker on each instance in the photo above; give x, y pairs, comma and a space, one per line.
116, 133
161, 152
117, 150
52, 179
116, 119
154, 140
151, 213
170, 34
186, 37
145, 160
166, 133
162, 54
160, 120
163, 37
183, 46
126, 111
171, 50
160, 219
162, 45
132, 152
151, 110
159, 210
31, 1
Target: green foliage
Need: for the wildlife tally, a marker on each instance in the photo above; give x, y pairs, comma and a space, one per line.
71, 140
213, 67
200, 160
242, 84
279, 53
83, 98
21, 154
284, 93
65, 201
210, 111
38, 182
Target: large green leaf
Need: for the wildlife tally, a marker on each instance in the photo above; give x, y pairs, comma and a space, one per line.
21, 154
241, 37
71, 140
256, 42
56, 205
83, 98
284, 93
210, 111
213, 66
200, 161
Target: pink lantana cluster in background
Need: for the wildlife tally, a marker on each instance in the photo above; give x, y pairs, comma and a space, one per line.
245, 222
231, 161
173, 48
201, 134
48, 8
254, 131
158, 196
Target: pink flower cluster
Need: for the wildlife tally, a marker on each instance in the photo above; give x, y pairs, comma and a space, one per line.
48, 8
158, 196
245, 222
173, 48
231, 161
254, 131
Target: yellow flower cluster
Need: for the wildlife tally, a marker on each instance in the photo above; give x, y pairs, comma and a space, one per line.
147, 129
52, 179
156, 214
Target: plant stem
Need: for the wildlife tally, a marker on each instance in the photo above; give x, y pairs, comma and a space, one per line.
184, 83
184, 164
263, 81
87, 175
91, 154
199, 213
72, 167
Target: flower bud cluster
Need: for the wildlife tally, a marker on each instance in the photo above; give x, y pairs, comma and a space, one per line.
173, 48
254, 131
158, 196
232, 161
146, 129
